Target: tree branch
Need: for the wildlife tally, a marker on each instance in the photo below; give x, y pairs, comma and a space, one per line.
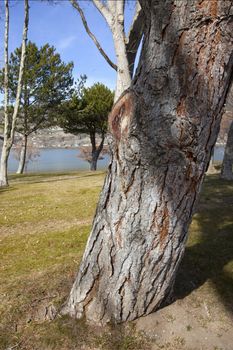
112, 6
134, 37
104, 12
92, 36
36, 127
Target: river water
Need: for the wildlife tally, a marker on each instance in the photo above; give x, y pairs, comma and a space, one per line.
56, 159
60, 159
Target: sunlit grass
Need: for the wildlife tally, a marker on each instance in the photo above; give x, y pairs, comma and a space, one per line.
45, 220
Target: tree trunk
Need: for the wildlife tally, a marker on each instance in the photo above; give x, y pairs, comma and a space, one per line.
9, 128
125, 47
123, 80
23, 153
226, 172
94, 159
5, 146
3, 165
162, 132
95, 151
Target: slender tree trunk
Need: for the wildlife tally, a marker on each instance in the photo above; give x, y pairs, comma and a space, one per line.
93, 165
3, 165
226, 172
96, 151
9, 128
23, 153
125, 47
5, 146
123, 80
162, 132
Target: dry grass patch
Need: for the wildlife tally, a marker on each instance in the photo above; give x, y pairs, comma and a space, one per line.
45, 220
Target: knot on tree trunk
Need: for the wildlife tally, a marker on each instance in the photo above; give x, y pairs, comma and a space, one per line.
121, 115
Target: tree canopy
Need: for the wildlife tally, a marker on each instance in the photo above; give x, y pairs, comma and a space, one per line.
47, 81
87, 110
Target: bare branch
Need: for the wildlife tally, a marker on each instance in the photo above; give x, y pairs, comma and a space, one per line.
134, 37
92, 36
112, 6
104, 12
120, 7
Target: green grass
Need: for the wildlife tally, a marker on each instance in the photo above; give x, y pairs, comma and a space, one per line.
45, 220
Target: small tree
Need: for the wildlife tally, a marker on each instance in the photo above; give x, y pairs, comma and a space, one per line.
87, 112
46, 83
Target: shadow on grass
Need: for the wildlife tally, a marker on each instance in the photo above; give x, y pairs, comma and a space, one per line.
52, 177
209, 252
6, 189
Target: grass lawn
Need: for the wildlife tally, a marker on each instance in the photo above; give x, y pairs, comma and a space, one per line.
45, 220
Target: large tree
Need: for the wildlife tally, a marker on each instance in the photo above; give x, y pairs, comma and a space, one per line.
46, 82
162, 132
87, 112
10, 120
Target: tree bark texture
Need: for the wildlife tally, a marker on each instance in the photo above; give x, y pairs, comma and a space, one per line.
9, 127
23, 153
162, 132
226, 172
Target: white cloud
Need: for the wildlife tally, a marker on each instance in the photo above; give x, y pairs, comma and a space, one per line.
66, 42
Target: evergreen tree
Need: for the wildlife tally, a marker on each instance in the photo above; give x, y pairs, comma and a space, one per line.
87, 112
47, 81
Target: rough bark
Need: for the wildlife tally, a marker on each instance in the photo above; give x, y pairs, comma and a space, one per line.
9, 127
162, 132
22, 157
226, 172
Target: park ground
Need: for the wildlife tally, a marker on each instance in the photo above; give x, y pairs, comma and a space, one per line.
45, 220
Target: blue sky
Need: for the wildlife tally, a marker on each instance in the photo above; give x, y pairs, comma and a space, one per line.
61, 26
